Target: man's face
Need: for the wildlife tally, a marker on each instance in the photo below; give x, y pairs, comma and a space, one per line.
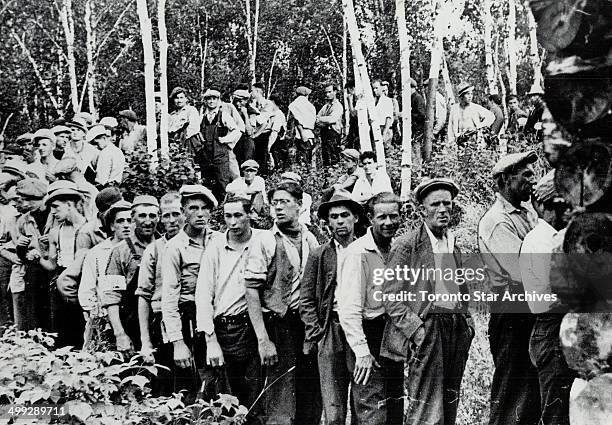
369, 166
172, 218
436, 209
513, 103
211, 102
236, 219
76, 134
61, 209
197, 213
249, 175
180, 100
145, 218
385, 220
240, 102
45, 147
122, 225
385, 90
521, 184
466, 98
377, 88
341, 221
100, 142
350, 165
287, 208
61, 139
25, 204
330, 93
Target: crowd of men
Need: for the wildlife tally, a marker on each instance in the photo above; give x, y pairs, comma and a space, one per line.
237, 310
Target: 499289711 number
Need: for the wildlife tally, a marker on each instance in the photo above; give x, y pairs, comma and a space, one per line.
23, 411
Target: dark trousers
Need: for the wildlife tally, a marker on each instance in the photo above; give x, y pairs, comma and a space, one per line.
335, 378
303, 151
238, 342
214, 167
515, 394
330, 147
6, 300
555, 376
162, 383
261, 153
295, 398
380, 401
244, 149
280, 153
31, 306
66, 317
188, 379
435, 370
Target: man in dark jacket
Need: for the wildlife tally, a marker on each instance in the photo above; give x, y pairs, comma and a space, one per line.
319, 308
434, 337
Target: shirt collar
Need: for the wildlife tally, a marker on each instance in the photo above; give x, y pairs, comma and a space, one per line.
507, 206
447, 238
183, 234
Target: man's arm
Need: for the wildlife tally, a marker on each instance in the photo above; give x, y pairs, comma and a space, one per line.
308, 302
144, 291
50, 264
88, 296
103, 169
504, 244
194, 120
487, 118
111, 298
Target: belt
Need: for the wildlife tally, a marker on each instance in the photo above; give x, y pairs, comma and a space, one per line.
237, 319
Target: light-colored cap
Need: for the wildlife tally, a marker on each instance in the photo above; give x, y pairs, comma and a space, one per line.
249, 164
291, 176
95, 132
212, 93
110, 122
145, 200
351, 154
242, 94
58, 129
510, 161
44, 133
303, 91
198, 191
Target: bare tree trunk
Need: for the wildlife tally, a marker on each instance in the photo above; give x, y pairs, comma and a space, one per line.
406, 176
249, 37
500, 79
351, 20
534, 54
59, 79
448, 85
91, 67
362, 112
272, 71
203, 50
511, 46
347, 116
68, 25
163, 77
149, 74
255, 36
487, 21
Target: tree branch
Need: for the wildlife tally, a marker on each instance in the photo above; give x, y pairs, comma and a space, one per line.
50, 37
6, 6
333, 52
113, 28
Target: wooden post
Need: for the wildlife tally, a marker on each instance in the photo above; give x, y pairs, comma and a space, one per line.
351, 20
406, 175
149, 76
163, 78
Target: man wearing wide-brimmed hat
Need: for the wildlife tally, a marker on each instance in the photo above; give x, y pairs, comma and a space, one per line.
433, 337
319, 307
466, 115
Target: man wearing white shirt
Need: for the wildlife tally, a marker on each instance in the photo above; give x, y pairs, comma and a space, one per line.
251, 185
377, 387
383, 111
85, 154
372, 181
111, 161
467, 116
434, 337
554, 375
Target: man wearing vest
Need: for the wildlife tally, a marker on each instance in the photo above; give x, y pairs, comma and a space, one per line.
377, 386
149, 294
434, 337
118, 287
273, 274
319, 305
180, 266
221, 305
220, 134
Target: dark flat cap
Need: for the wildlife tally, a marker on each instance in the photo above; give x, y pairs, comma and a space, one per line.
429, 185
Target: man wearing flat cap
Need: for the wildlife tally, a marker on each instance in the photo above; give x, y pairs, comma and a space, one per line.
184, 120
467, 116
301, 123
134, 134
554, 375
67, 169
433, 337
31, 241
66, 317
85, 154
251, 185
218, 135
329, 122
245, 148
515, 395
319, 306
118, 286
43, 165
111, 161
180, 266
62, 137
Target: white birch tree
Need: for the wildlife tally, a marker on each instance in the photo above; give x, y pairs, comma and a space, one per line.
406, 164
66, 16
149, 74
163, 77
511, 47
487, 21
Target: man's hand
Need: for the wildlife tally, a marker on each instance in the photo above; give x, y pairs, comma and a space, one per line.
309, 348
182, 355
124, 343
33, 255
147, 351
214, 354
23, 241
267, 353
363, 369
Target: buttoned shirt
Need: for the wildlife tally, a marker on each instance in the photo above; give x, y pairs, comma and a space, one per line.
150, 276
94, 266
501, 231
363, 190
262, 254
443, 249
220, 290
180, 267
356, 291
123, 267
87, 157
340, 255
110, 166
535, 260
331, 115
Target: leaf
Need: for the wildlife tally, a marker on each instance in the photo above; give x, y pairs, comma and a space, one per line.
227, 401
137, 380
79, 409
